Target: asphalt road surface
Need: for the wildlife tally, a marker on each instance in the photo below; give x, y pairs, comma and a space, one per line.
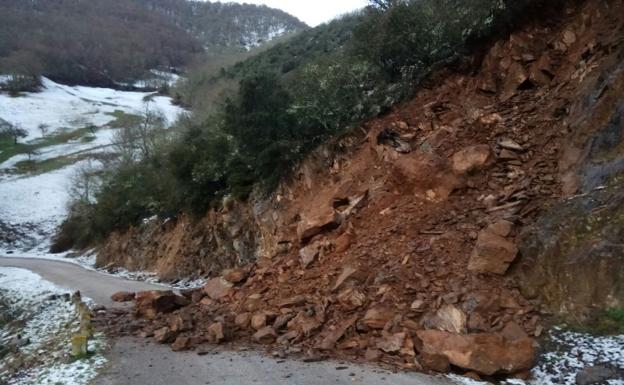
97, 286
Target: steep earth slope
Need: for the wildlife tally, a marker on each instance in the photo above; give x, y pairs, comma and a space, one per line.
441, 233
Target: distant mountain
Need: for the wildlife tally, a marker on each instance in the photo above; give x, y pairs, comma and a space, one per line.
106, 42
231, 25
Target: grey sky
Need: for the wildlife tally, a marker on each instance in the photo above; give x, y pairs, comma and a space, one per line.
312, 12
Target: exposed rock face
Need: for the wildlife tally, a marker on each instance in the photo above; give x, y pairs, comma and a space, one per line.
572, 259
179, 248
486, 354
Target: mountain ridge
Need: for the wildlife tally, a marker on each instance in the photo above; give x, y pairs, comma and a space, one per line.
115, 41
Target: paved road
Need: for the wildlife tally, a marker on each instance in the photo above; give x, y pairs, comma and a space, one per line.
92, 284
139, 362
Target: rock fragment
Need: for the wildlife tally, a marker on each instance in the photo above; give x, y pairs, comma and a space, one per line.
164, 335
492, 254
123, 296
265, 335
217, 288
150, 304
181, 344
471, 159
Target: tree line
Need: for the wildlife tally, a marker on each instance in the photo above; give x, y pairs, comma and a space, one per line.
107, 42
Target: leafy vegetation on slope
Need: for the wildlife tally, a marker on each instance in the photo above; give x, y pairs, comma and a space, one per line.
284, 102
107, 41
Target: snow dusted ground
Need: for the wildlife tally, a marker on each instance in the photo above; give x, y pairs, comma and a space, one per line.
60, 106
32, 206
47, 320
99, 140
158, 79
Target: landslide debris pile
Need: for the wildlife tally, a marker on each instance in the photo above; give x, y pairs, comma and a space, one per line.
400, 252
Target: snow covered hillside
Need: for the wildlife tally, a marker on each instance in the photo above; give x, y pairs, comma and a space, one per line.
64, 127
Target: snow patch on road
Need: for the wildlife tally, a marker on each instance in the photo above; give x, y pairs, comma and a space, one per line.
44, 316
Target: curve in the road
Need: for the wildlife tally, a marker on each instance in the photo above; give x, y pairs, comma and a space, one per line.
138, 362
97, 286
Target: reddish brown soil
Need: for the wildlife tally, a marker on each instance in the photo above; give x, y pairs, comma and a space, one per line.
412, 236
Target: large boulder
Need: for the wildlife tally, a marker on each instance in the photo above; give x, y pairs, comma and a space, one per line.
150, 304
492, 253
486, 353
266, 335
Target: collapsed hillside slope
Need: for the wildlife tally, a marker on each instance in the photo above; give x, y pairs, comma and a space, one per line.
403, 242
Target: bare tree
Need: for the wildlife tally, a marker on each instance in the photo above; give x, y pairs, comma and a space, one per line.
31, 151
44, 129
139, 140
84, 183
384, 5
13, 131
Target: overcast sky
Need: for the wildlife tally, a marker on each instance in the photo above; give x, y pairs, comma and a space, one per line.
313, 12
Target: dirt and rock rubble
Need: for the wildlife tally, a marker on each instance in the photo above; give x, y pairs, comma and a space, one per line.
399, 252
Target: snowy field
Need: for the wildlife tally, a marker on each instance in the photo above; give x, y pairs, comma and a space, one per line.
32, 206
59, 107
40, 314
